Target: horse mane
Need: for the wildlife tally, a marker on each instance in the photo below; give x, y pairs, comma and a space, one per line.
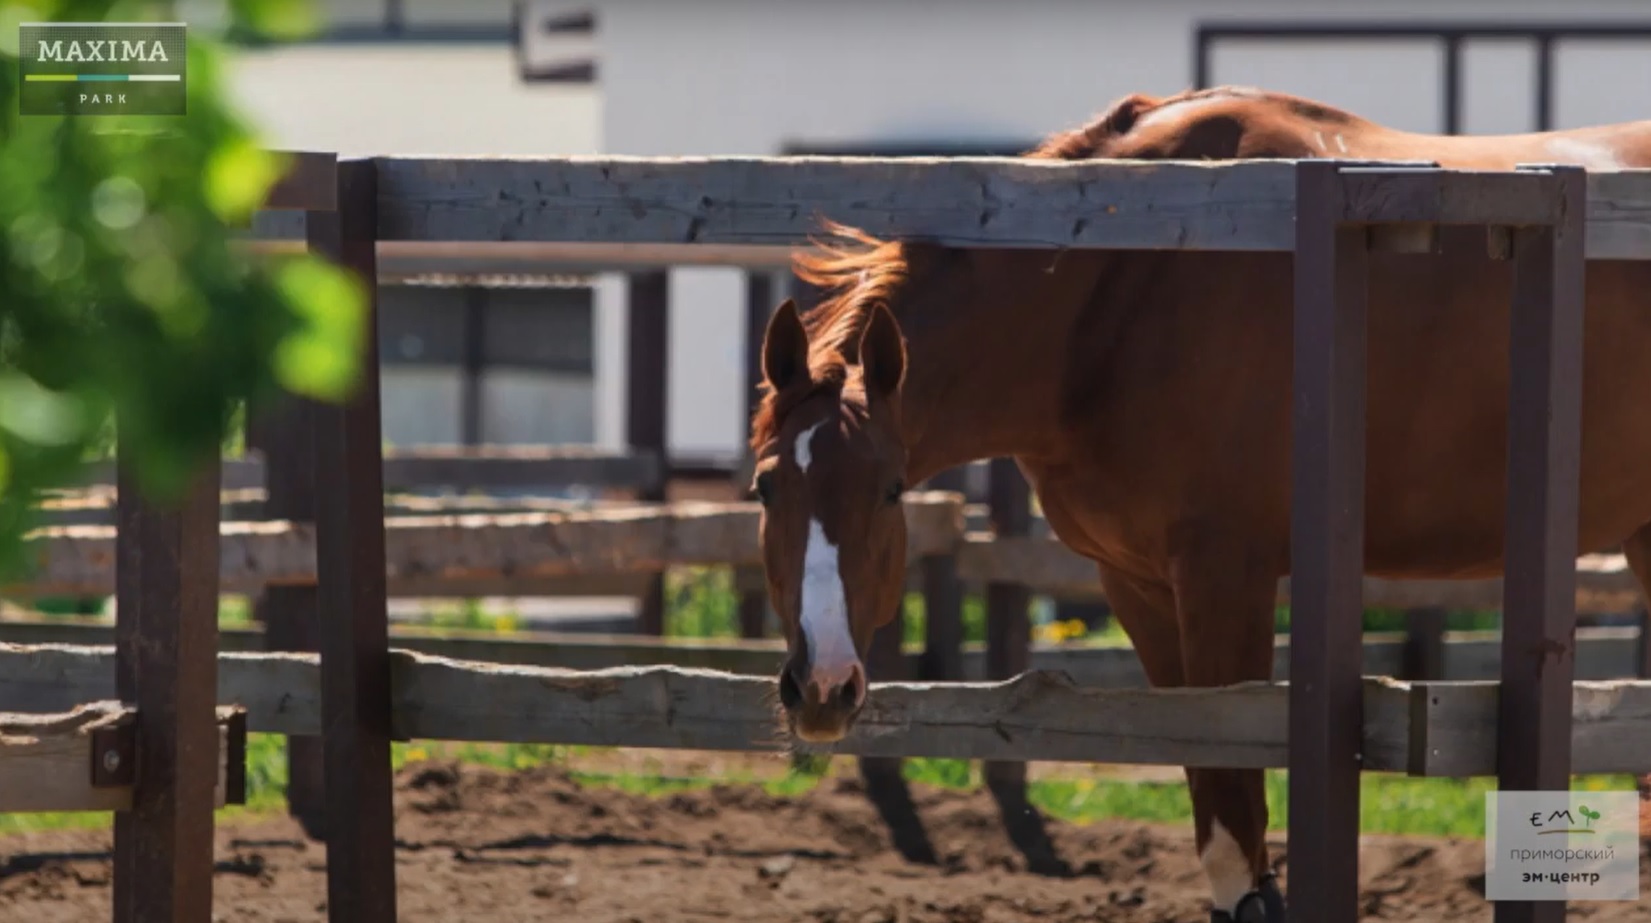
855, 272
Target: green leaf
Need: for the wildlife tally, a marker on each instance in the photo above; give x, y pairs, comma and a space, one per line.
37, 415
278, 19
238, 178
320, 359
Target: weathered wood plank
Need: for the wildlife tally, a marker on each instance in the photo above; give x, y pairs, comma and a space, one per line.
46, 759
492, 466
1037, 716
1619, 215
1454, 725
283, 233
779, 201
95, 507
488, 215
519, 554
78, 560
1602, 653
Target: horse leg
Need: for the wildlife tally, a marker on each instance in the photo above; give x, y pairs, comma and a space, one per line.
1224, 601
1637, 549
1147, 613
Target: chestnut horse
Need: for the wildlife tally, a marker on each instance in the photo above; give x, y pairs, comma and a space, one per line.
1146, 397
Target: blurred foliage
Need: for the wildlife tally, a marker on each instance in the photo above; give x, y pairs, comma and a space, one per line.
121, 295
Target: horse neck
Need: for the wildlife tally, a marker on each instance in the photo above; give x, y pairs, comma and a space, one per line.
983, 373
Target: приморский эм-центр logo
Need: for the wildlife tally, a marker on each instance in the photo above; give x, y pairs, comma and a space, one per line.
101, 68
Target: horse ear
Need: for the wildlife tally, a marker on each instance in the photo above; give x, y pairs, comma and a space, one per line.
882, 354
785, 348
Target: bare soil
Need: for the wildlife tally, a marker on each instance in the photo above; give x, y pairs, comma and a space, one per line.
482, 845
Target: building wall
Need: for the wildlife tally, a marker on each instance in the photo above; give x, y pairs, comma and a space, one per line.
403, 98
748, 77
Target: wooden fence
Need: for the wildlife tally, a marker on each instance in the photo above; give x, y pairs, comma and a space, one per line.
1531, 727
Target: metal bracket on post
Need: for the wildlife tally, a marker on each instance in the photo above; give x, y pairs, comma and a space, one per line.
114, 756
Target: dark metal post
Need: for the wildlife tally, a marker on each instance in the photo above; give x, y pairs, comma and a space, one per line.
1327, 550
646, 402
1544, 81
1544, 451
1452, 80
166, 664
1200, 58
1008, 626
349, 551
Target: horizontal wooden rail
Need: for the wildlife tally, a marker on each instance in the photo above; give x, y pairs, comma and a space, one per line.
283, 233
96, 506
490, 466
642, 538
1035, 716
638, 538
1601, 653
86, 758
602, 201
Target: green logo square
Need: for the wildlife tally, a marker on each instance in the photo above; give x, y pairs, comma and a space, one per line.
103, 68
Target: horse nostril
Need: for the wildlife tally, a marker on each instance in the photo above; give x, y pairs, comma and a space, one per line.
791, 694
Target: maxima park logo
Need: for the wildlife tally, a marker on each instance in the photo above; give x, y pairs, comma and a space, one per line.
103, 68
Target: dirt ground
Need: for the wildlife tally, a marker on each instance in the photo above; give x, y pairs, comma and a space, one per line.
481, 845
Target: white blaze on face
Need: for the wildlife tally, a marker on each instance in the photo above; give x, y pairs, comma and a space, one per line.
1226, 868
824, 615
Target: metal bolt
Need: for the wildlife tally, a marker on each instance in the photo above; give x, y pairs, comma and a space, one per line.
111, 760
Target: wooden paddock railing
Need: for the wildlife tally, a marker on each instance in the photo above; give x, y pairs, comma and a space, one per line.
1531, 727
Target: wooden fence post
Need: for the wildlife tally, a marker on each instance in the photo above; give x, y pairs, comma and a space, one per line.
1544, 465
284, 432
759, 305
942, 658
1644, 620
1327, 549
1424, 647
1008, 627
647, 408
349, 551
166, 664
473, 362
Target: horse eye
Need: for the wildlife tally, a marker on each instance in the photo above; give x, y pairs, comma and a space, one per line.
895, 491
765, 487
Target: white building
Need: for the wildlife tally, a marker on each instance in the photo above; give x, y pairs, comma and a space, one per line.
765, 76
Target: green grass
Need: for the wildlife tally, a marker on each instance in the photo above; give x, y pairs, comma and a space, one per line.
1388, 803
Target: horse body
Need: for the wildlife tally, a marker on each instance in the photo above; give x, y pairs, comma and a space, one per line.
1146, 395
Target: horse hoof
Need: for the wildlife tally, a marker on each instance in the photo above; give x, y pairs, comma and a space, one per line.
1263, 905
